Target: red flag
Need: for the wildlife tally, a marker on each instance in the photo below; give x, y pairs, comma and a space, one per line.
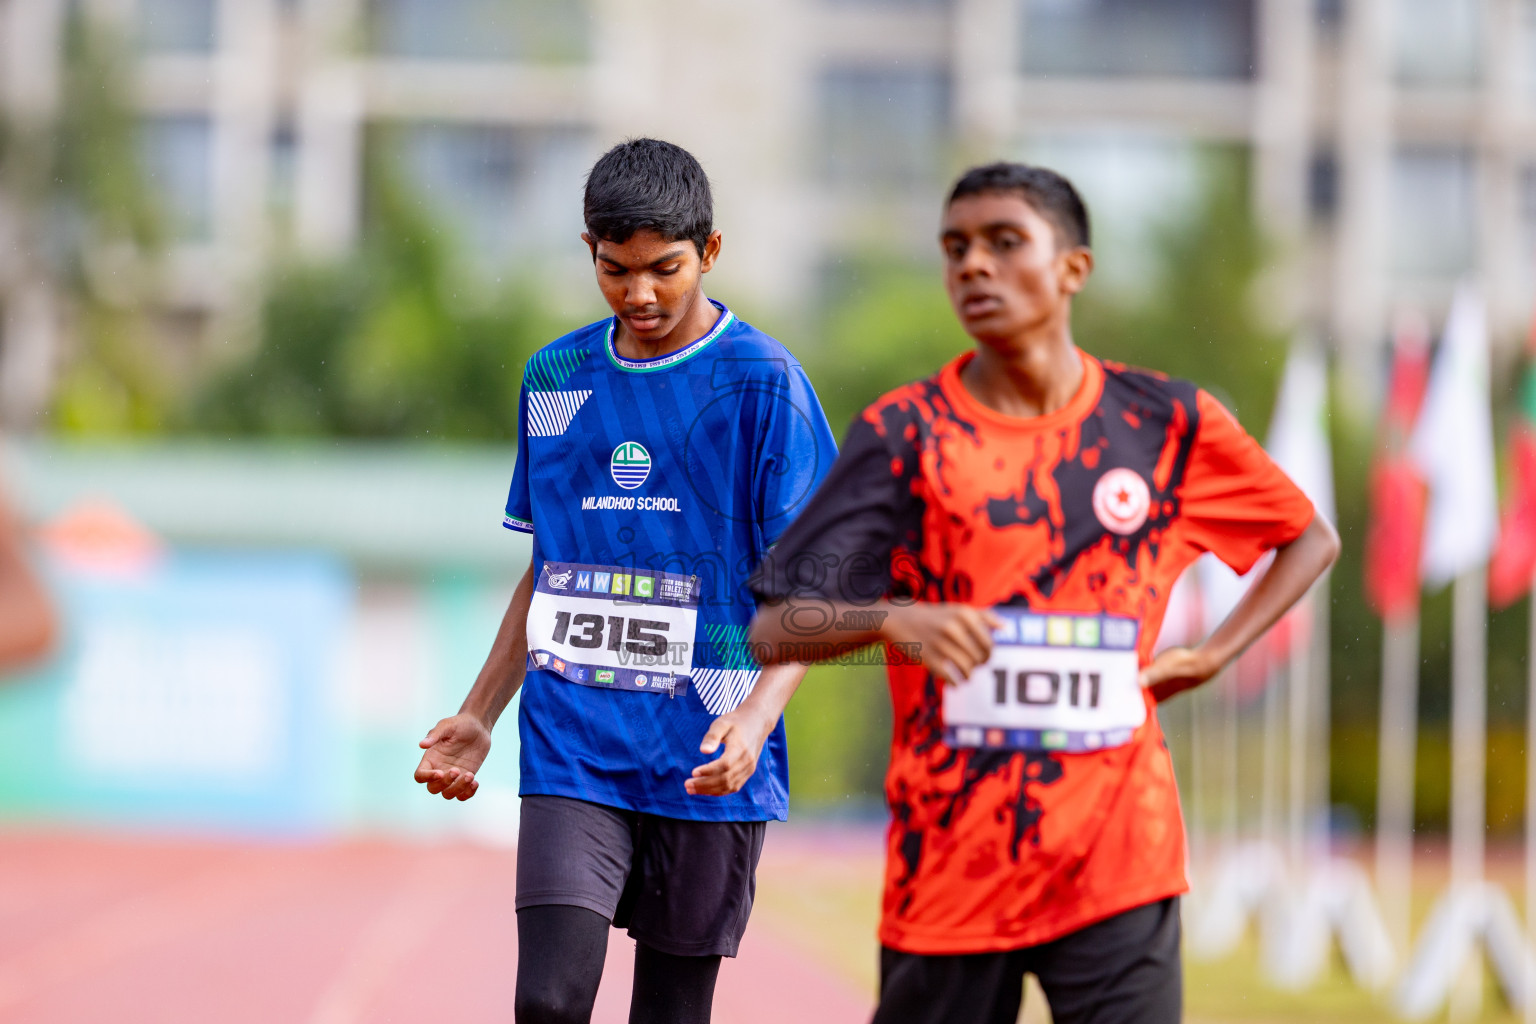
1514, 560
1398, 494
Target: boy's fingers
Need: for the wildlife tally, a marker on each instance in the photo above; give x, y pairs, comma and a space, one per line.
710, 769
459, 785
719, 729
963, 639
955, 655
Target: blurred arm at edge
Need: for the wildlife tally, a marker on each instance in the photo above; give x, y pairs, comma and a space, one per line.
28, 626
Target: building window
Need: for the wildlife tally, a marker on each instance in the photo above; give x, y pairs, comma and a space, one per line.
1323, 187
503, 193
1437, 42
178, 26
536, 31
895, 5
178, 159
884, 127
283, 149
1184, 38
1528, 228
1137, 186
1434, 212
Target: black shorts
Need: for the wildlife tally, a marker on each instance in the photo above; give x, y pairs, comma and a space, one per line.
683, 887
1125, 968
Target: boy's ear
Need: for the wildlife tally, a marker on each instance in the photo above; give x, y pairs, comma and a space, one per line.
711, 253
591, 244
1077, 264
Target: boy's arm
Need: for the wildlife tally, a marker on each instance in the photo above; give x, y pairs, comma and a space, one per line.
949, 639
456, 747
743, 732
1296, 567
27, 625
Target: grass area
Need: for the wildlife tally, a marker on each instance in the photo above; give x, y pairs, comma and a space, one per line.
1233, 989
822, 893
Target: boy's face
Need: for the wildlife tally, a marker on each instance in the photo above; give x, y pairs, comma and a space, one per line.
651, 283
1005, 269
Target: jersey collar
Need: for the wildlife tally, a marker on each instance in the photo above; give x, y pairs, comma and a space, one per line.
1080, 405
671, 358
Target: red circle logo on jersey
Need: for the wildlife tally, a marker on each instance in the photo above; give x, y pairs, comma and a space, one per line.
1121, 500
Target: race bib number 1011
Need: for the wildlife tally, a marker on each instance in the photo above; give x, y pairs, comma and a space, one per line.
607, 626
1054, 682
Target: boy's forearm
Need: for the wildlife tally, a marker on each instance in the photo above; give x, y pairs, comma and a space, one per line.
27, 625
817, 630
506, 665
775, 686
1296, 567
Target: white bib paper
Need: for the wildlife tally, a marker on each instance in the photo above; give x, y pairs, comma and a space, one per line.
613, 627
1054, 682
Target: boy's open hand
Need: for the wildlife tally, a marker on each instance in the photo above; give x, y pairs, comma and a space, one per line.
455, 750
951, 639
743, 734
1175, 670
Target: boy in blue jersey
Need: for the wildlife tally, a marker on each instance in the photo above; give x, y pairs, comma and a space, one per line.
27, 625
661, 453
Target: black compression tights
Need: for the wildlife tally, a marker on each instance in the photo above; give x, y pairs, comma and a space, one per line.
560, 952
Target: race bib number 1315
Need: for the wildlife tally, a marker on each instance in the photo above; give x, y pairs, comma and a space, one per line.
607, 626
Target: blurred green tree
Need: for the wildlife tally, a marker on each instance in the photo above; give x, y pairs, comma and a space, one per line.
88, 235
383, 343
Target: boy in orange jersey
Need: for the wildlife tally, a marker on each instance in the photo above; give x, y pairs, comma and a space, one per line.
1011, 528
27, 626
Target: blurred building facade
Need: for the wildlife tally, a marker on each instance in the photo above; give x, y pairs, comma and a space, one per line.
1390, 144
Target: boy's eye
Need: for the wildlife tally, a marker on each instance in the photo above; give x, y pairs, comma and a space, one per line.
954, 250
670, 270
1005, 243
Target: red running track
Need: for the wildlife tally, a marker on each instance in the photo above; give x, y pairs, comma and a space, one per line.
157, 932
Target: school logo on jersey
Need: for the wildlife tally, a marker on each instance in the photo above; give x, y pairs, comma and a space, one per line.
1121, 500
630, 465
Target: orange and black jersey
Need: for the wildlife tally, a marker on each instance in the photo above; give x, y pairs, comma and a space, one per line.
1095, 508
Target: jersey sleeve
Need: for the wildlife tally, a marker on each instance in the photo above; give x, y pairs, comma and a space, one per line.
1236, 502
840, 546
795, 450
518, 514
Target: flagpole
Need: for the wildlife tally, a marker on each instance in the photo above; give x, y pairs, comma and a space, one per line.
1530, 792
1396, 762
1321, 802
1296, 758
1269, 786
1469, 737
1196, 820
1230, 798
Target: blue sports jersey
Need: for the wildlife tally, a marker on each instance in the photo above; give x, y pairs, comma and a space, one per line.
652, 489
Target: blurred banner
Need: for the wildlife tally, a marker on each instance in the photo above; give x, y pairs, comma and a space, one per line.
191, 690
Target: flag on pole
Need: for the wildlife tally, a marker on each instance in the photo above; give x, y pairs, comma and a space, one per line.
1514, 559
1395, 533
1298, 434
1298, 442
1452, 446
